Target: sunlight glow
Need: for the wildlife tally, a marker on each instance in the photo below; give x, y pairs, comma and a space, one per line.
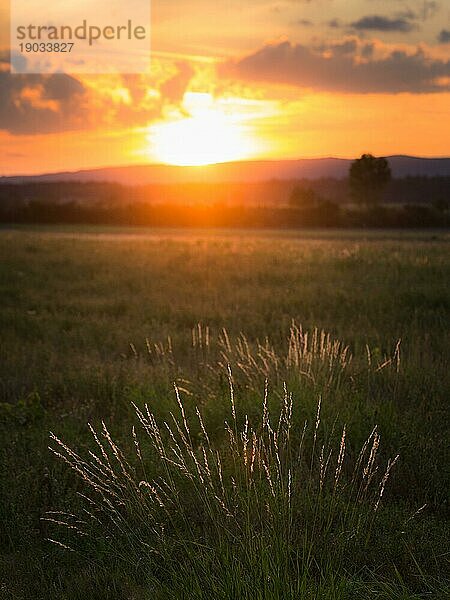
209, 133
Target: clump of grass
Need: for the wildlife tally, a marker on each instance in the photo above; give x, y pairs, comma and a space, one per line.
313, 357
271, 510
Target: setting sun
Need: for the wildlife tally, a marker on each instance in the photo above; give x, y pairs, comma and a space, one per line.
207, 134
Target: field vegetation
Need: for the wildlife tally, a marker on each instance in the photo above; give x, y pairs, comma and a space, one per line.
232, 414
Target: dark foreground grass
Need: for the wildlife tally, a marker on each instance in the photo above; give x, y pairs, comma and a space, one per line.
93, 323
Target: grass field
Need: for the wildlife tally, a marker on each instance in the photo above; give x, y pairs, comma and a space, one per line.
95, 321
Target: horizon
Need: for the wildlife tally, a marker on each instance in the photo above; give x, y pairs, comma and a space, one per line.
275, 81
199, 168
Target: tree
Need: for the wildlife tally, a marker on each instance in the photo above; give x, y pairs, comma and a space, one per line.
368, 177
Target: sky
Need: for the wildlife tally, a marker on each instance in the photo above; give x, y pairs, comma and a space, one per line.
243, 80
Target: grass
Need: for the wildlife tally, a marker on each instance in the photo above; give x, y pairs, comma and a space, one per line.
96, 323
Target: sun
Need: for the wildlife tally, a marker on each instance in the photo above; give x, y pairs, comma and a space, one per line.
208, 134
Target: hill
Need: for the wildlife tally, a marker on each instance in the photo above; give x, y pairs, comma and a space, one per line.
240, 172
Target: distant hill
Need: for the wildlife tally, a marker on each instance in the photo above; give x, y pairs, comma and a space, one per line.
237, 172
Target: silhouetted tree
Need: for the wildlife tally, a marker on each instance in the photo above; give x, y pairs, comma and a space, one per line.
368, 177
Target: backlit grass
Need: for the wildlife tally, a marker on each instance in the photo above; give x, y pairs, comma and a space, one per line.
93, 324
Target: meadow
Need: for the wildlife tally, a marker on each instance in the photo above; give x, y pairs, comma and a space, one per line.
248, 395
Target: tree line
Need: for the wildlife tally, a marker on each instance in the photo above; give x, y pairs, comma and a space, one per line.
360, 201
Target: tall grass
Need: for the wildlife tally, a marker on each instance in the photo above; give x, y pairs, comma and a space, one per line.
72, 303
313, 357
271, 508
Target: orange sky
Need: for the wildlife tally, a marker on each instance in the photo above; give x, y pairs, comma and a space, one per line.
245, 79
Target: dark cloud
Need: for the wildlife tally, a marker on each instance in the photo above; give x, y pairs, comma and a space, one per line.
39, 103
334, 24
403, 21
444, 36
62, 88
330, 68
47, 103
305, 23
428, 9
380, 23
367, 50
348, 46
20, 61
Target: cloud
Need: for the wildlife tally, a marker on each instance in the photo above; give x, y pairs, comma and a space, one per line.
34, 104
427, 11
145, 98
174, 88
368, 49
305, 23
334, 24
62, 88
379, 23
351, 66
444, 36
347, 46
40, 103
403, 21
